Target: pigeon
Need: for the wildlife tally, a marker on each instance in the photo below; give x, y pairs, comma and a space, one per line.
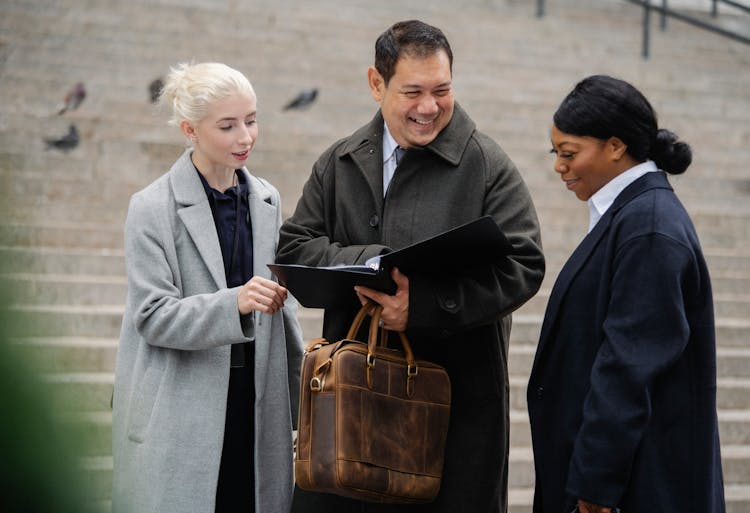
303, 100
154, 89
65, 143
73, 98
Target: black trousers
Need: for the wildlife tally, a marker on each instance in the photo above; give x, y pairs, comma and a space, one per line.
235, 492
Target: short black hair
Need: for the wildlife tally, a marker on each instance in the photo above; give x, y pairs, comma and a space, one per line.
601, 106
412, 37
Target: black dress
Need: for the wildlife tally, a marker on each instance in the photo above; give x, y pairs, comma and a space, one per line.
236, 486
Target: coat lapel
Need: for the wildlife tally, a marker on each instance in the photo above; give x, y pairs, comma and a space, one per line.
565, 278
581, 254
195, 213
366, 150
263, 217
265, 227
366, 147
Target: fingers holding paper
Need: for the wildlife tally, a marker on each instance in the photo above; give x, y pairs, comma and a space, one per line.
396, 307
260, 295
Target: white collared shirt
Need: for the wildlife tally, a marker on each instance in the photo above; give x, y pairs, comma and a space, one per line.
600, 202
389, 157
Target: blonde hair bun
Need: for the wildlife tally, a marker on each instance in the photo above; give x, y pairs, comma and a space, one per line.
190, 88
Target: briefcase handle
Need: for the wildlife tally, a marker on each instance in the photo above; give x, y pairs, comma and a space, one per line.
364, 311
372, 342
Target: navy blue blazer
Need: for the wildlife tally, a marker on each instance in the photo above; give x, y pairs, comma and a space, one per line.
622, 394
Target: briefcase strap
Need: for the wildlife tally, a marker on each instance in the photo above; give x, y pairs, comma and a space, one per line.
364, 311
377, 336
411, 365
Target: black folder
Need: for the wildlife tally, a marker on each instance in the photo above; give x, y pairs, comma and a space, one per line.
475, 243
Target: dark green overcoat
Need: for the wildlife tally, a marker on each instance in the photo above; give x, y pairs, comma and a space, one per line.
460, 320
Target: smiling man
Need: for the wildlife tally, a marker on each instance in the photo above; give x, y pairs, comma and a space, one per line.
417, 169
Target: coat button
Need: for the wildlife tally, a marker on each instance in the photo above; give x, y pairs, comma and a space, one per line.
539, 392
450, 304
374, 220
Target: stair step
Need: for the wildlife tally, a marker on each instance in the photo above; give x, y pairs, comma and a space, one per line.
720, 260
70, 354
736, 459
67, 320
94, 428
69, 288
735, 463
97, 477
88, 235
80, 391
732, 393
730, 331
725, 304
66, 260
732, 362
89, 391
737, 499
66, 289
734, 427
105, 321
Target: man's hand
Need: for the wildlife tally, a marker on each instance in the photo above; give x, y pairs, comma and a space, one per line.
396, 307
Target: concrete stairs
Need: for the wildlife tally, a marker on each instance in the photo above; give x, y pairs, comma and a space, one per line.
61, 215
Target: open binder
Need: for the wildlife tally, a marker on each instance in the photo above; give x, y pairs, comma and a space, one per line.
475, 243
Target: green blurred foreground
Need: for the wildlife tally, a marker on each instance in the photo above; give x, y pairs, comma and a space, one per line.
38, 472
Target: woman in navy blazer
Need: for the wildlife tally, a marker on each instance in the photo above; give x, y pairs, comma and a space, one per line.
622, 393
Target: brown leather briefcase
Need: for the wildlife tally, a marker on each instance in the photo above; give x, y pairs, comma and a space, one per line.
373, 421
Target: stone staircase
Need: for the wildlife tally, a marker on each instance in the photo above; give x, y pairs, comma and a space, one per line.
62, 213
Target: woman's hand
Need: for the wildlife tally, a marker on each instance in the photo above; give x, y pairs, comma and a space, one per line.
261, 295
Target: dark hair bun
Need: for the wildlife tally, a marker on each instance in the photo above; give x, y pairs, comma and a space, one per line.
670, 154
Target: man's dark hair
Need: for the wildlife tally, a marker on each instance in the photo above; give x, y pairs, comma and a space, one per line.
413, 38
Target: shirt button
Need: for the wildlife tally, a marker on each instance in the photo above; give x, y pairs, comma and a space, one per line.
374, 220
539, 392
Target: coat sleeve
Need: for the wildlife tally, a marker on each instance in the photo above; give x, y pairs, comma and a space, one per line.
162, 316
305, 237
440, 306
646, 330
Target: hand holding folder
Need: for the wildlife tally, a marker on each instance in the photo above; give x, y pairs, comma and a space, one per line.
475, 243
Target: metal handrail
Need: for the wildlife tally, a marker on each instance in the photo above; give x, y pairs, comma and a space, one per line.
715, 6
667, 12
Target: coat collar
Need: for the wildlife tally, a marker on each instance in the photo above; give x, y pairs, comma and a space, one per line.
572, 267
365, 146
449, 144
194, 210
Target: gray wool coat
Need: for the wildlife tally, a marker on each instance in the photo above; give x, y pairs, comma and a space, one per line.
460, 319
172, 368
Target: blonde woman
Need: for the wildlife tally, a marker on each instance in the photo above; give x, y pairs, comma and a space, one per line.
206, 380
